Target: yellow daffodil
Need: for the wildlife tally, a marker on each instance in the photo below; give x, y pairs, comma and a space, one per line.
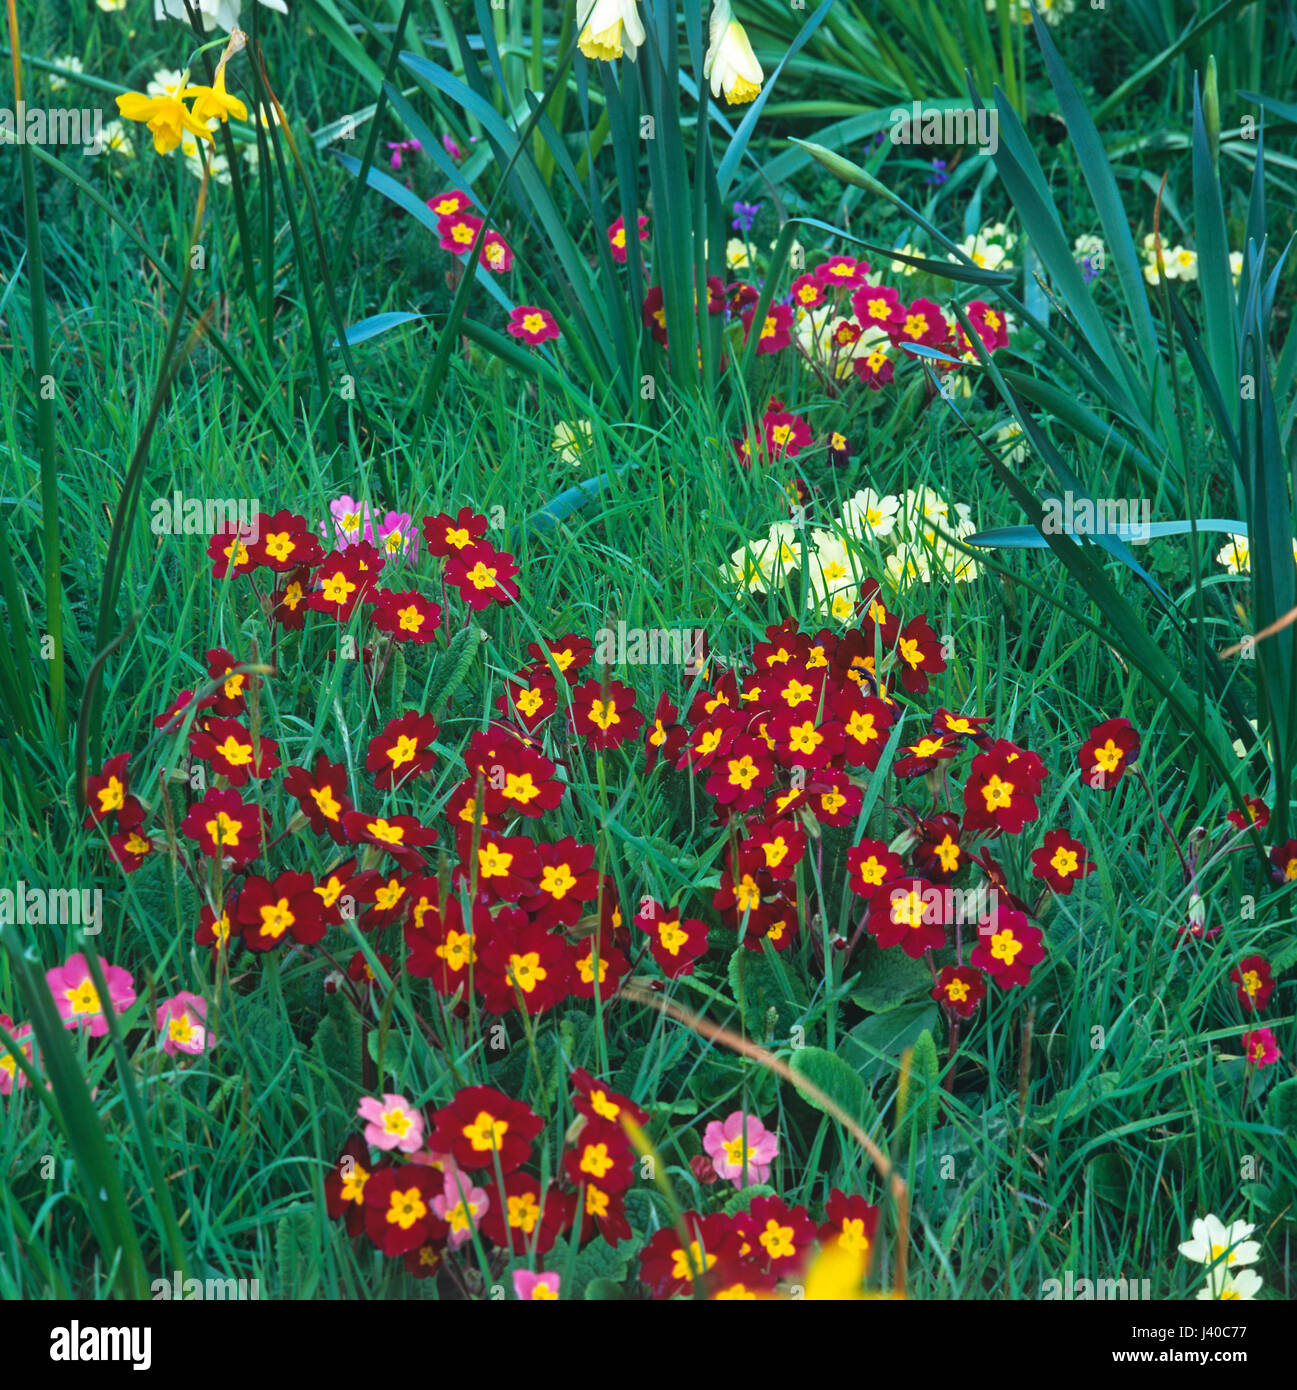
730, 63
166, 116
607, 23
214, 103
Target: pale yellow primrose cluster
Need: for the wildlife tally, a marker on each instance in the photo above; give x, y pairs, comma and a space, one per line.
1180, 262
1051, 11
989, 249
905, 530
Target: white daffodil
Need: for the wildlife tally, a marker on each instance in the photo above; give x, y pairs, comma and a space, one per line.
609, 27
730, 61
1243, 1286
868, 514
1212, 1239
215, 14
1236, 266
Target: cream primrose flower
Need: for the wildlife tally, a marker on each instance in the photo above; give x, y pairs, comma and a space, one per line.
606, 24
908, 564
167, 82
1013, 434
70, 64
766, 560
902, 267
1236, 556
923, 509
1242, 1286
736, 254
1236, 266
984, 252
730, 61
115, 140
1212, 1240
219, 166
1240, 748
1182, 264
744, 569
868, 514
783, 552
811, 329
956, 564
831, 576
571, 440
835, 601
829, 556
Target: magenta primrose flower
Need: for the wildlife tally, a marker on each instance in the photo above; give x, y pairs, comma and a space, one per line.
77, 999
182, 1023
535, 1287
460, 1205
741, 1148
1260, 1048
11, 1079
353, 521
398, 535
393, 1123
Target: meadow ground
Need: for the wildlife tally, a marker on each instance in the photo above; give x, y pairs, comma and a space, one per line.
751, 757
